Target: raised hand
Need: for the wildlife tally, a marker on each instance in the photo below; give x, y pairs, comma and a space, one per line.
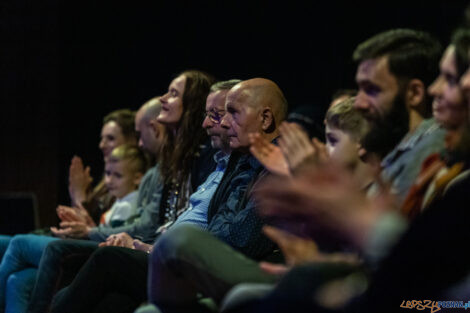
298, 250
327, 199
269, 155
79, 180
296, 146
74, 214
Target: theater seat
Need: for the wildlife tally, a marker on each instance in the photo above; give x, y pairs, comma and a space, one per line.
18, 213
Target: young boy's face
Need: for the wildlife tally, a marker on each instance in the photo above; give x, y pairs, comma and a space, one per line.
120, 179
341, 147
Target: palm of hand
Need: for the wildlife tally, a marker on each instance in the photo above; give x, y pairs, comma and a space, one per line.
269, 155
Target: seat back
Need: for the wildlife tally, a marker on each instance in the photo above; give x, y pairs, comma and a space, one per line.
18, 213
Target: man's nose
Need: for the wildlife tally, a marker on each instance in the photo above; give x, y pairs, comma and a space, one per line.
360, 102
207, 123
225, 122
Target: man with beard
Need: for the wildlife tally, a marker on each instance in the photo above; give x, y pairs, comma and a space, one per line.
395, 68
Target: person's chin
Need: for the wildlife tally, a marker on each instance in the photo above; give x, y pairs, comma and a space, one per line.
234, 144
215, 142
163, 117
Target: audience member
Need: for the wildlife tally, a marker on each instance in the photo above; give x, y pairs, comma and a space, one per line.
395, 68
451, 112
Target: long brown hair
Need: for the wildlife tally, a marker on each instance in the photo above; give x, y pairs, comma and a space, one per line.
178, 150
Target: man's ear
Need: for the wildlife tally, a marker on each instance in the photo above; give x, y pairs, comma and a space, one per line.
267, 120
415, 94
361, 152
155, 126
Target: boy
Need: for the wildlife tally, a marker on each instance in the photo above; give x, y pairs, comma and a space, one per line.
124, 169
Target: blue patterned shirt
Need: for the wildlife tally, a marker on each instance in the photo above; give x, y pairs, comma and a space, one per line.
402, 165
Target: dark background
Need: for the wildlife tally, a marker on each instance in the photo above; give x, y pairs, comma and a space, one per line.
65, 64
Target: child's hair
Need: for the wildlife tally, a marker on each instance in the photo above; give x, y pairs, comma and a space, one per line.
344, 117
135, 156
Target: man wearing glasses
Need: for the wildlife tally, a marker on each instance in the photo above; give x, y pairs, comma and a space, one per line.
215, 111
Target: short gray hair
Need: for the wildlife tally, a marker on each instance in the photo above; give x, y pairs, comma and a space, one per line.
225, 85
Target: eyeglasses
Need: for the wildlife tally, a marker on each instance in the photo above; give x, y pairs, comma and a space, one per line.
215, 116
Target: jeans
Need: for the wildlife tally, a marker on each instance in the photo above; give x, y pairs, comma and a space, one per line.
4, 241
110, 271
24, 251
60, 262
19, 287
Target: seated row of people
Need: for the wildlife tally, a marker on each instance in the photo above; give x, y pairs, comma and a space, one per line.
351, 223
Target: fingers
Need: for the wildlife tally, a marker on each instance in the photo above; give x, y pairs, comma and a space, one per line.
320, 149
259, 146
274, 269
80, 207
110, 241
299, 134
63, 233
137, 244
281, 238
76, 164
294, 136
120, 240
295, 144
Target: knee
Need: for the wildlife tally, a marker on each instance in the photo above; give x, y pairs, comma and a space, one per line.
18, 241
177, 241
22, 280
53, 252
105, 256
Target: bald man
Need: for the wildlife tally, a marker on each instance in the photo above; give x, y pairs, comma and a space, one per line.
255, 105
146, 126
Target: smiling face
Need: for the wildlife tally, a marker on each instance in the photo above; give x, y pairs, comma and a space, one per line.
215, 111
449, 107
378, 89
120, 179
111, 137
172, 103
241, 118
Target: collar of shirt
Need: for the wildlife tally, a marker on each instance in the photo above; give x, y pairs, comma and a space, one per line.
129, 197
410, 140
221, 159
